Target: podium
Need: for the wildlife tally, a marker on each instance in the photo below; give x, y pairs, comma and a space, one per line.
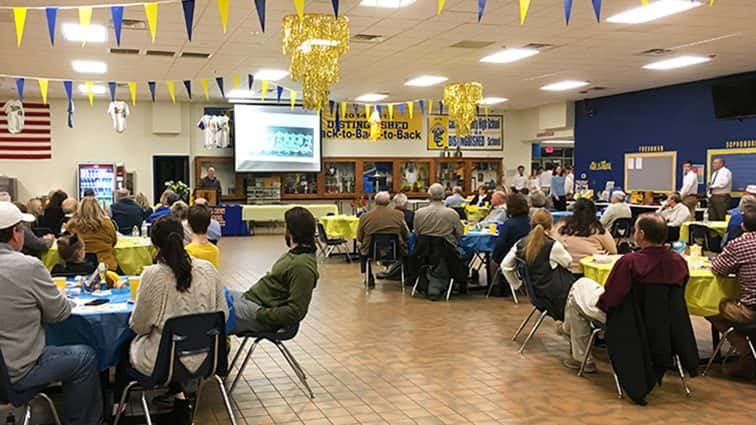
210, 195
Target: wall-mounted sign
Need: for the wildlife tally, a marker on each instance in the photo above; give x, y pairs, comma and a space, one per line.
542, 134
487, 134
731, 144
600, 166
652, 148
353, 126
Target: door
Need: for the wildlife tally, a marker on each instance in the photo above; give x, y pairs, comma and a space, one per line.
167, 168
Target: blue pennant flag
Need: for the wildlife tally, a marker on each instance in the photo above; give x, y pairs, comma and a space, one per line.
52, 16
279, 92
481, 8
151, 85
337, 119
597, 9
380, 110
401, 109
188, 6
477, 110
219, 82
356, 109
116, 12
112, 87
331, 105
20, 87
68, 86
335, 4
250, 81
188, 87
422, 106
567, 11
260, 6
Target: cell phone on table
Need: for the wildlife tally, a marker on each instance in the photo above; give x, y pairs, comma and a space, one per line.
98, 301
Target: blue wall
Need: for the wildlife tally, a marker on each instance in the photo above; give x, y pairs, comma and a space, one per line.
680, 117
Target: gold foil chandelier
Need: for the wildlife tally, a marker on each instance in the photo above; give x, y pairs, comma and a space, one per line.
461, 100
315, 43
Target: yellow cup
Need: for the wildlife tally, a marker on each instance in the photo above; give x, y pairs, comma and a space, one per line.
60, 282
134, 286
727, 218
492, 228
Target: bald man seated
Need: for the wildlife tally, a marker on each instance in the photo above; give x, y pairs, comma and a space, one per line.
384, 220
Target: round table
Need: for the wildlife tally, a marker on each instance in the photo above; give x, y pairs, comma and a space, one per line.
718, 226
340, 226
704, 290
132, 253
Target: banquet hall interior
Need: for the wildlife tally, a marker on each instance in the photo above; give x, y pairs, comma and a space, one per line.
377, 212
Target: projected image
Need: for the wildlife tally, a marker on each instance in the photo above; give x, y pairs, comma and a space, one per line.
287, 142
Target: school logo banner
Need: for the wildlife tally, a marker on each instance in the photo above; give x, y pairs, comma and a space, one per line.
487, 134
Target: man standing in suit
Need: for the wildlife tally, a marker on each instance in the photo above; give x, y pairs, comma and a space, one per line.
720, 188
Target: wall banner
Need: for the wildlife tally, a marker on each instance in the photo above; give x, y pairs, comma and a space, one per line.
487, 134
355, 126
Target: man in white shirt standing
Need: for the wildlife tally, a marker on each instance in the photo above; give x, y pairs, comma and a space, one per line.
569, 182
720, 188
617, 209
545, 179
674, 211
689, 189
520, 180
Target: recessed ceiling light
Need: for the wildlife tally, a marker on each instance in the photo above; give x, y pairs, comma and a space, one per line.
492, 100
564, 85
89, 67
510, 55
386, 3
678, 62
371, 97
94, 33
96, 89
271, 74
652, 11
425, 81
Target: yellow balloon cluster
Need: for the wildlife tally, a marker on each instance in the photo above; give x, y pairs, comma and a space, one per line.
461, 100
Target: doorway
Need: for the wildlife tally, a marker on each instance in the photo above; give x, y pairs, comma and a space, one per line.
166, 168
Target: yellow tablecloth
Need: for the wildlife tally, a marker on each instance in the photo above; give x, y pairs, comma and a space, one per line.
703, 293
718, 226
276, 212
340, 226
132, 253
475, 213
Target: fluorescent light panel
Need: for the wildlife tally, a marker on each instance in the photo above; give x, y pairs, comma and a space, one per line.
564, 85
96, 89
492, 100
94, 33
510, 55
271, 74
371, 97
653, 11
320, 42
392, 4
89, 67
425, 81
678, 62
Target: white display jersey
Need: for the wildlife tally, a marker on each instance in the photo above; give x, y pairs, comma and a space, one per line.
119, 111
216, 128
14, 112
221, 137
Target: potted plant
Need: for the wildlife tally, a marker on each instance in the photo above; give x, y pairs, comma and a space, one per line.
180, 188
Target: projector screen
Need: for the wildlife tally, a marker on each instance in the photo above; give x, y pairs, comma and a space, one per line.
276, 139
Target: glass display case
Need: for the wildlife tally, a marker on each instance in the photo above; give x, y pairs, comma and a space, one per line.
299, 183
377, 176
450, 174
485, 172
414, 176
340, 177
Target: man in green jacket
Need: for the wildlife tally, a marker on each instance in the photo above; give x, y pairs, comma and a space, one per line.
281, 298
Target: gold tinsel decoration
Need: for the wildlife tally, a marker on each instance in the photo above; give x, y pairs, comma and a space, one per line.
315, 43
461, 100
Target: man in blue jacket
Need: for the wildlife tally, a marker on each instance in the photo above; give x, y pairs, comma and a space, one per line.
126, 213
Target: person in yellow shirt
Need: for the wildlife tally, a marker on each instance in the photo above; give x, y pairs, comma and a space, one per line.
201, 247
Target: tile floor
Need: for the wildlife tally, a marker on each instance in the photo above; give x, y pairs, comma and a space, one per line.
385, 357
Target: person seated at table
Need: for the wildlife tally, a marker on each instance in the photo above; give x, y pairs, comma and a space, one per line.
142, 201
674, 211
33, 245
176, 285
126, 213
180, 210
582, 234
536, 201
400, 203
653, 264
69, 209
747, 203
514, 228
381, 219
72, 253
52, 216
281, 298
456, 199
96, 230
34, 206
200, 247
167, 199
618, 208
738, 257
481, 198
214, 231
498, 211
437, 220
30, 300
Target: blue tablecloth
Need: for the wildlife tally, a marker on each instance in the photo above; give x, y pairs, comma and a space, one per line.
470, 243
230, 219
558, 215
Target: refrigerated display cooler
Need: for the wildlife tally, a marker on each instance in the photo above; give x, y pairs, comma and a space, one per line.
100, 177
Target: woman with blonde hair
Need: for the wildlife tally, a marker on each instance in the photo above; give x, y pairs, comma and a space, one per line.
141, 200
96, 230
546, 261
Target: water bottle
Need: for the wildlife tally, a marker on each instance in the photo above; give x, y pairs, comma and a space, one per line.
144, 229
135, 231
706, 216
102, 271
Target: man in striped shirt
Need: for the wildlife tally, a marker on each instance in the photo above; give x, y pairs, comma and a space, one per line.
739, 257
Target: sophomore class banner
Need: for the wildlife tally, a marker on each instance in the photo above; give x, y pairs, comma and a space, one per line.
355, 126
487, 134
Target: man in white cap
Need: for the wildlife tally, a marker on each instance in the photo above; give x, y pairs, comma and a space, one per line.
747, 202
617, 209
31, 299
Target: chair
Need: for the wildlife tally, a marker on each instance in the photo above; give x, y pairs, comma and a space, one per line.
189, 335
702, 235
22, 399
522, 271
434, 248
91, 258
277, 338
384, 247
622, 228
750, 333
332, 244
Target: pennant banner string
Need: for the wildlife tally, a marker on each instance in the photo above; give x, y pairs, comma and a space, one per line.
93, 6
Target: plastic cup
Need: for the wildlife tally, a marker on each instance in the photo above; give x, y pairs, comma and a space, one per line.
134, 286
492, 229
60, 282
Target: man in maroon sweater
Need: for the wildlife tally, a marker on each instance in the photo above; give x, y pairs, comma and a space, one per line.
588, 301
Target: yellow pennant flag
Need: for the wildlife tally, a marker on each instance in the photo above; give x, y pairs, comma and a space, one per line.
19, 15
223, 10
132, 90
711, 3
205, 91
411, 109
441, 4
90, 93
85, 18
292, 98
343, 110
235, 77
645, 2
43, 90
367, 111
299, 4
151, 10
264, 90
430, 106
485, 110
524, 5
171, 90
391, 111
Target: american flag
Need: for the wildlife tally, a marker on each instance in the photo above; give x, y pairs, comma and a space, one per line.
34, 141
